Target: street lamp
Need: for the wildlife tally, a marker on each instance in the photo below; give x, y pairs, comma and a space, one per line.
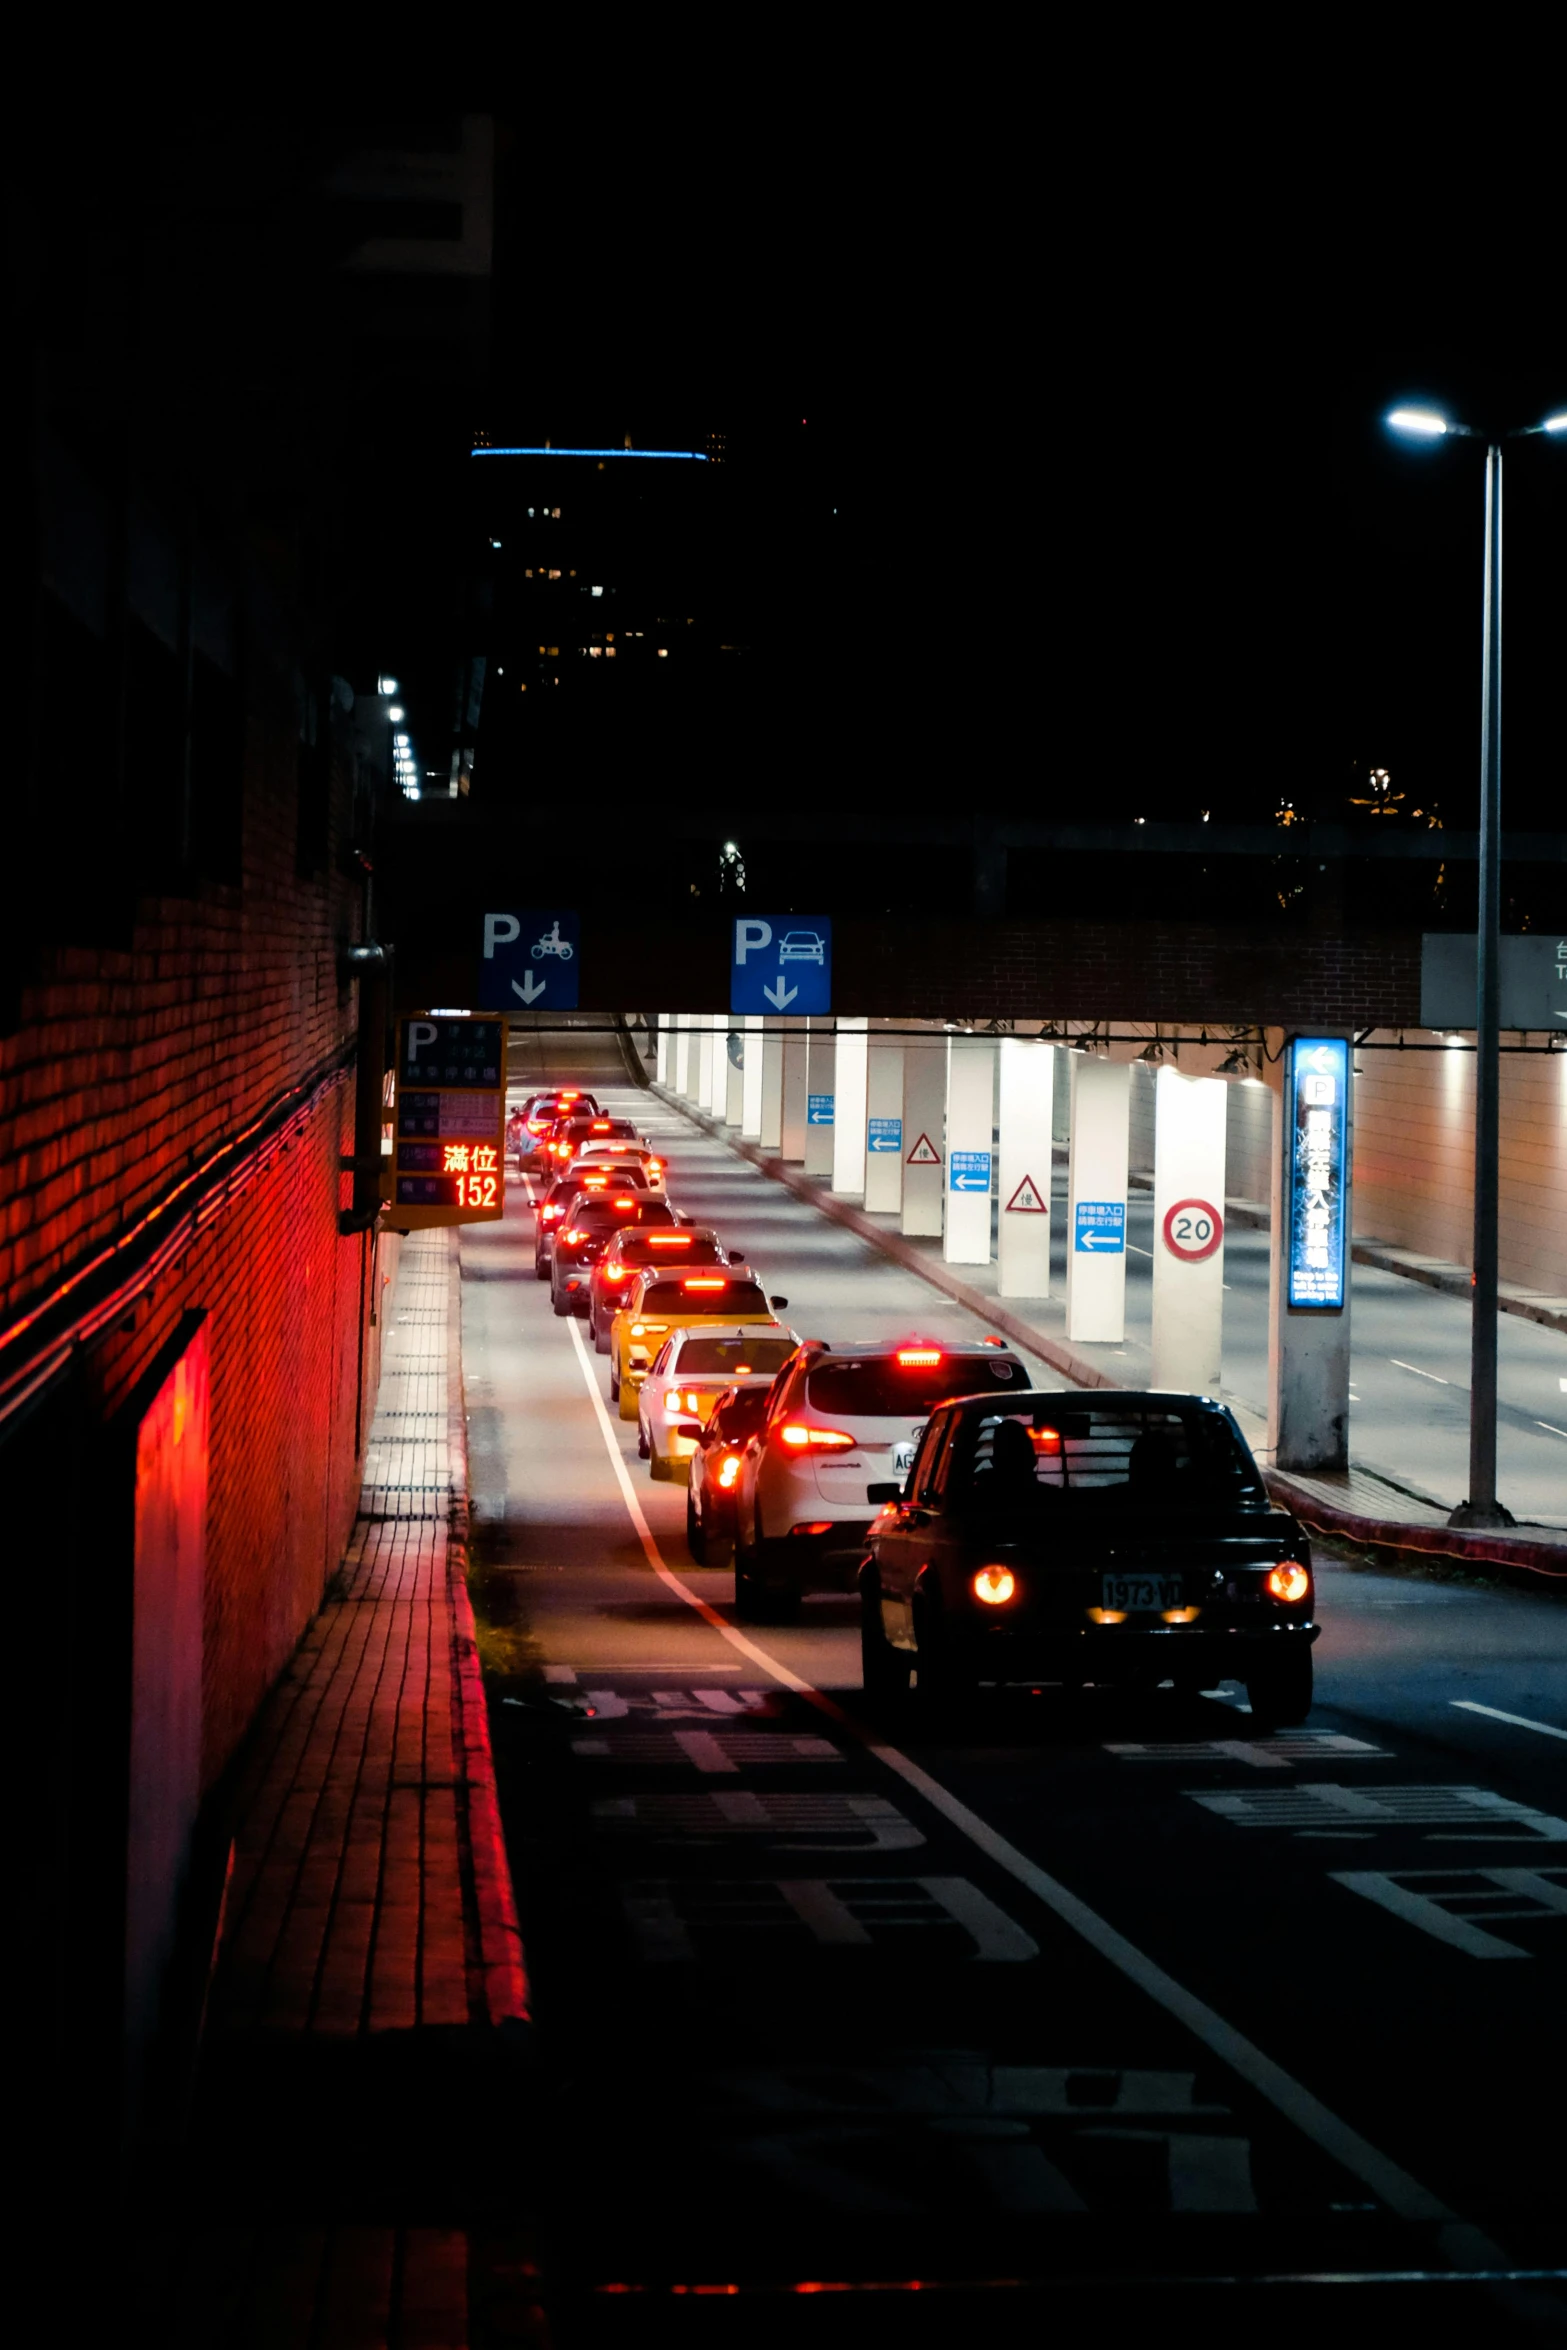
1482, 1509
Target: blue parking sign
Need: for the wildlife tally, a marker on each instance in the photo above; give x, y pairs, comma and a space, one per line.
781, 963
968, 1171
530, 960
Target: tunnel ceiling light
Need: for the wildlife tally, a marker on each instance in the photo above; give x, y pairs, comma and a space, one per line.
1555, 423
386, 685
693, 456
396, 711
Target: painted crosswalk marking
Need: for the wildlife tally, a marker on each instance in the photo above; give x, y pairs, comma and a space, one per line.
715, 1751
802, 1823
674, 1919
1281, 1753
1459, 1906
1452, 1813
680, 1705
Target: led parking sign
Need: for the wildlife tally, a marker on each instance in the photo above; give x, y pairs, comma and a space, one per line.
1316, 1137
448, 1165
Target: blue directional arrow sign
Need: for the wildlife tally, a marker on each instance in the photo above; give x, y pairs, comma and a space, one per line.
818, 1109
530, 961
781, 963
968, 1171
885, 1134
1099, 1227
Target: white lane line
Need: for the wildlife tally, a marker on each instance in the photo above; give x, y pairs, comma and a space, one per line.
1468, 1705
1419, 1374
1386, 2179
1555, 1431
1139, 1252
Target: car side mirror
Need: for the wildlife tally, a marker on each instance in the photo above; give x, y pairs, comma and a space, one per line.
778, 1304
880, 1493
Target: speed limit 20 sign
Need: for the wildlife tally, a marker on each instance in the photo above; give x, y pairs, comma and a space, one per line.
1193, 1229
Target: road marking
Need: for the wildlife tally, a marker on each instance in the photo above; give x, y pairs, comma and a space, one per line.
1395, 2187
1139, 1252
850, 1913
1259, 1754
1457, 1814
1434, 1915
1419, 1374
1468, 1705
723, 1751
831, 1823
1551, 1425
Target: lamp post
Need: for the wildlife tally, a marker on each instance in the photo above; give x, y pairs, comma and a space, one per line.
1482, 1509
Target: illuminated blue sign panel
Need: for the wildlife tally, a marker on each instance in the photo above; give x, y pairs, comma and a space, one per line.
1317, 1135
530, 958
781, 963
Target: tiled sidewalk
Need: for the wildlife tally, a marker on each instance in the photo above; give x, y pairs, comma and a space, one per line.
362, 2031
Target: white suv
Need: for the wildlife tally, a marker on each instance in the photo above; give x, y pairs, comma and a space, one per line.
839, 1436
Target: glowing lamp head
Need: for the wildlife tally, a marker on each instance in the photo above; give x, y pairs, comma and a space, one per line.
994, 1585
1418, 424
1556, 424
1289, 1580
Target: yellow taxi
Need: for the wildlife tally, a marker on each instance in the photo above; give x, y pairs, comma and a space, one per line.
660, 1301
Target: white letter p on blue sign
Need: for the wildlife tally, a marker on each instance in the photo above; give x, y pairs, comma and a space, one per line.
750, 938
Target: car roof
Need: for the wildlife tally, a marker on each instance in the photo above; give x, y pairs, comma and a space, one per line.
1102, 1399
883, 1349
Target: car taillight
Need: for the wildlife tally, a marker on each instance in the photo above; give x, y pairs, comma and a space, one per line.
729, 1470
617, 1272
919, 1358
548, 1215
669, 1240
626, 1202
572, 1237
655, 1166
1289, 1580
535, 1125
1046, 1442
799, 1438
994, 1585
693, 1401
700, 1281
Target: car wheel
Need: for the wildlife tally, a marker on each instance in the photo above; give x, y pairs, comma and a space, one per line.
1280, 1691
944, 1677
628, 1401
696, 1538
884, 1670
560, 1305
642, 1443
601, 1342
614, 1378
541, 1271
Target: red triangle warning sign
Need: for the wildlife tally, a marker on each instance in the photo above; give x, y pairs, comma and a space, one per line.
924, 1154
1025, 1201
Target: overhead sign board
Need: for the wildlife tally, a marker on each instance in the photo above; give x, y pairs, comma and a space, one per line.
781, 963
1316, 1128
968, 1171
1531, 974
448, 1164
1099, 1227
529, 960
884, 1134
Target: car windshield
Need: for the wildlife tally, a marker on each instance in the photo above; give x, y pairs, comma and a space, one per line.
687, 1248
735, 1356
698, 1296
882, 1388
1118, 1456
741, 1413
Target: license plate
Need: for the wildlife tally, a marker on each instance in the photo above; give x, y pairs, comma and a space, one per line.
1141, 1594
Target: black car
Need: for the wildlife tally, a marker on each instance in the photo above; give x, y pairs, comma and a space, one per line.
715, 1472
1088, 1537
591, 1225
693, 1244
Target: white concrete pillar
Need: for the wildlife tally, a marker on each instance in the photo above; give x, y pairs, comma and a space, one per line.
771, 1050
924, 1134
848, 1132
734, 1063
680, 1078
661, 1069
751, 1079
1027, 1105
791, 1139
821, 1086
884, 1146
718, 1065
701, 1063
1096, 1200
1190, 1115
1313, 1218
971, 1125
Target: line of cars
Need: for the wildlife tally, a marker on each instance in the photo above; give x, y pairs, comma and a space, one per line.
992, 1531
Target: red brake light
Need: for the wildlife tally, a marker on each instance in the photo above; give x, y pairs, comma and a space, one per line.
702, 1281
550, 1214
799, 1438
669, 1240
1289, 1581
600, 1126
568, 1097
1046, 1441
617, 1272
728, 1470
574, 1235
918, 1358
536, 1125
627, 1202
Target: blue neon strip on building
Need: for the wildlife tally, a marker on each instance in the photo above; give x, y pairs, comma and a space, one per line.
1317, 1139
696, 456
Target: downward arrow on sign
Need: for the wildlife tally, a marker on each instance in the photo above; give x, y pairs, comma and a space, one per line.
780, 994
529, 988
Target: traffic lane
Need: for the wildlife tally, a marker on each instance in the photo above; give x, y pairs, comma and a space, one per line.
846, 2106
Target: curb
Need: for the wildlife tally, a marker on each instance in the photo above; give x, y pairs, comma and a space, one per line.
502, 1959
1505, 1550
